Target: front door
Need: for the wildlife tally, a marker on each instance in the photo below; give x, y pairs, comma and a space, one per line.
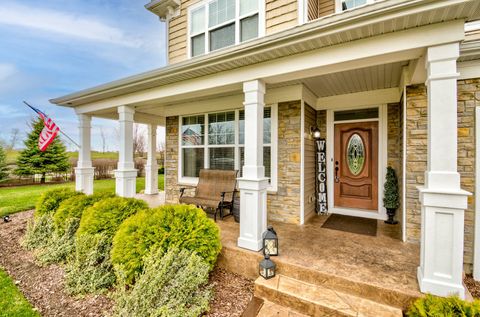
356, 165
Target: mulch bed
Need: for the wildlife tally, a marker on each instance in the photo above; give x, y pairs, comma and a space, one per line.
472, 285
43, 285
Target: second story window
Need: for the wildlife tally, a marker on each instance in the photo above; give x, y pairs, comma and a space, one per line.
350, 4
220, 23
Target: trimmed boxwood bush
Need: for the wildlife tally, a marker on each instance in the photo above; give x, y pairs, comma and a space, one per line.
106, 215
73, 207
50, 200
172, 285
433, 306
170, 226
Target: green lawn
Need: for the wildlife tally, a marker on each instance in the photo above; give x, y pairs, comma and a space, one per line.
12, 301
20, 198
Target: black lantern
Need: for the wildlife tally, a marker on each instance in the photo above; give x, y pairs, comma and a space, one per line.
267, 268
270, 242
6, 218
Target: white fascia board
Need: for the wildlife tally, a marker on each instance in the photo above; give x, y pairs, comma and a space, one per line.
387, 48
144, 118
364, 98
272, 96
470, 69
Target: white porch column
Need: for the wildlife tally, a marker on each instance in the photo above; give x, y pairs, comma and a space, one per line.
151, 168
84, 171
443, 201
253, 184
126, 173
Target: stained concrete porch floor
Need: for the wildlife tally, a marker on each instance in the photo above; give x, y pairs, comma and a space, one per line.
384, 261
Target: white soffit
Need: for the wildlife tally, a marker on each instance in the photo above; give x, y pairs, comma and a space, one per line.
356, 80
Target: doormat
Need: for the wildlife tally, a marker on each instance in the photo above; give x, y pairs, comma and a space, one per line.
351, 224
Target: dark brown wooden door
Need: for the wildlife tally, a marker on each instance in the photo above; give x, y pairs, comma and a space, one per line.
356, 165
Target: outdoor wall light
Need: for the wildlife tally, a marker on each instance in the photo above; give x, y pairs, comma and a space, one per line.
315, 131
270, 242
267, 268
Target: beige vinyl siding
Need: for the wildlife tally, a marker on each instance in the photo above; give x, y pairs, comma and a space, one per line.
310, 118
280, 15
177, 34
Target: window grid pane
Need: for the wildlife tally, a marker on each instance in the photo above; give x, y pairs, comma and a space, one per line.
267, 126
267, 160
193, 161
222, 37
220, 11
197, 23
193, 130
249, 28
349, 4
222, 158
248, 6
198, 45
221, 128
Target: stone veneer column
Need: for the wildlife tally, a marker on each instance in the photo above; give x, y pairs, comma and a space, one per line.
442, 200
253, 184
151, 168
84, 171
126, 173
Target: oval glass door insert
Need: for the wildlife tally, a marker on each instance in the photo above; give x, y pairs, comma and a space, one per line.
355, 154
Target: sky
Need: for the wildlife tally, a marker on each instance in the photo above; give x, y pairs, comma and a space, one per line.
51, 48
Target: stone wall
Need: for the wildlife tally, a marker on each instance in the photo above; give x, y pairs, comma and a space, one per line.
468, 98
394, 148
284, 205
171, 161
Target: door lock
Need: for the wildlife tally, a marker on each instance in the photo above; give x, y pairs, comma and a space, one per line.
337, 179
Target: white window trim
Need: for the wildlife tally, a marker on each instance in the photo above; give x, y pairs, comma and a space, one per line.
192, 181
236, 20
338, 5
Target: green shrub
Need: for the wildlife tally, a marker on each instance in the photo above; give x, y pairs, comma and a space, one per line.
106, 215
50, 200
181, 226
172, 285
89, 270
432, 306
73, 207
39, 231
61, 245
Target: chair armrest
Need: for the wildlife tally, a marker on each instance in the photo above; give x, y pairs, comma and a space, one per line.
222, 194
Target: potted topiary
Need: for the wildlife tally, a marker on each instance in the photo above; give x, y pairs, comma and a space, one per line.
391, 198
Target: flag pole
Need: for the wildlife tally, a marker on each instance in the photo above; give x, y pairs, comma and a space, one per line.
59, 130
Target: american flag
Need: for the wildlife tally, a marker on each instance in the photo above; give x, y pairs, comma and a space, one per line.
49, 131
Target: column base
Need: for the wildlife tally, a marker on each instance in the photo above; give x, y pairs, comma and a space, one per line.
84, 179
439, 288
125, 183
151, 179
253, 212
441, 252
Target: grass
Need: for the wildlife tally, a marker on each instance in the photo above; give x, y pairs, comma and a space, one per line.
20, 198
12, 301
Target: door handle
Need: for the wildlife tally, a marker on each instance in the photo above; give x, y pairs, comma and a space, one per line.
337, 179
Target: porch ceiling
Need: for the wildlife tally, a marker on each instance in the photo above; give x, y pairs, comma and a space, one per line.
356, 80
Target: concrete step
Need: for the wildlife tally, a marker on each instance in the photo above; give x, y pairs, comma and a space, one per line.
270, 309
317, 300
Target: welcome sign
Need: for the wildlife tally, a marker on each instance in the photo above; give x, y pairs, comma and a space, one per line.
321, 206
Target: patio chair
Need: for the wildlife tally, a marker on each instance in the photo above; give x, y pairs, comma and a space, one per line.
215, 190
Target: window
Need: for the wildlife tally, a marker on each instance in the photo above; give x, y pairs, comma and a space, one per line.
217, 141
220, 23
350, 4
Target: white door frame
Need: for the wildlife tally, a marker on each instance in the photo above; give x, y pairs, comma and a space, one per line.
382, 161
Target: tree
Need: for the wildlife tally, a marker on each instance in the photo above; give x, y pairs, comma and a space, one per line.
32, 161
104, 139
139, 142
3, 165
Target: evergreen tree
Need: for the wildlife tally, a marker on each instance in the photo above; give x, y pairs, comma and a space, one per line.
391, 198
3, 165
32, 161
